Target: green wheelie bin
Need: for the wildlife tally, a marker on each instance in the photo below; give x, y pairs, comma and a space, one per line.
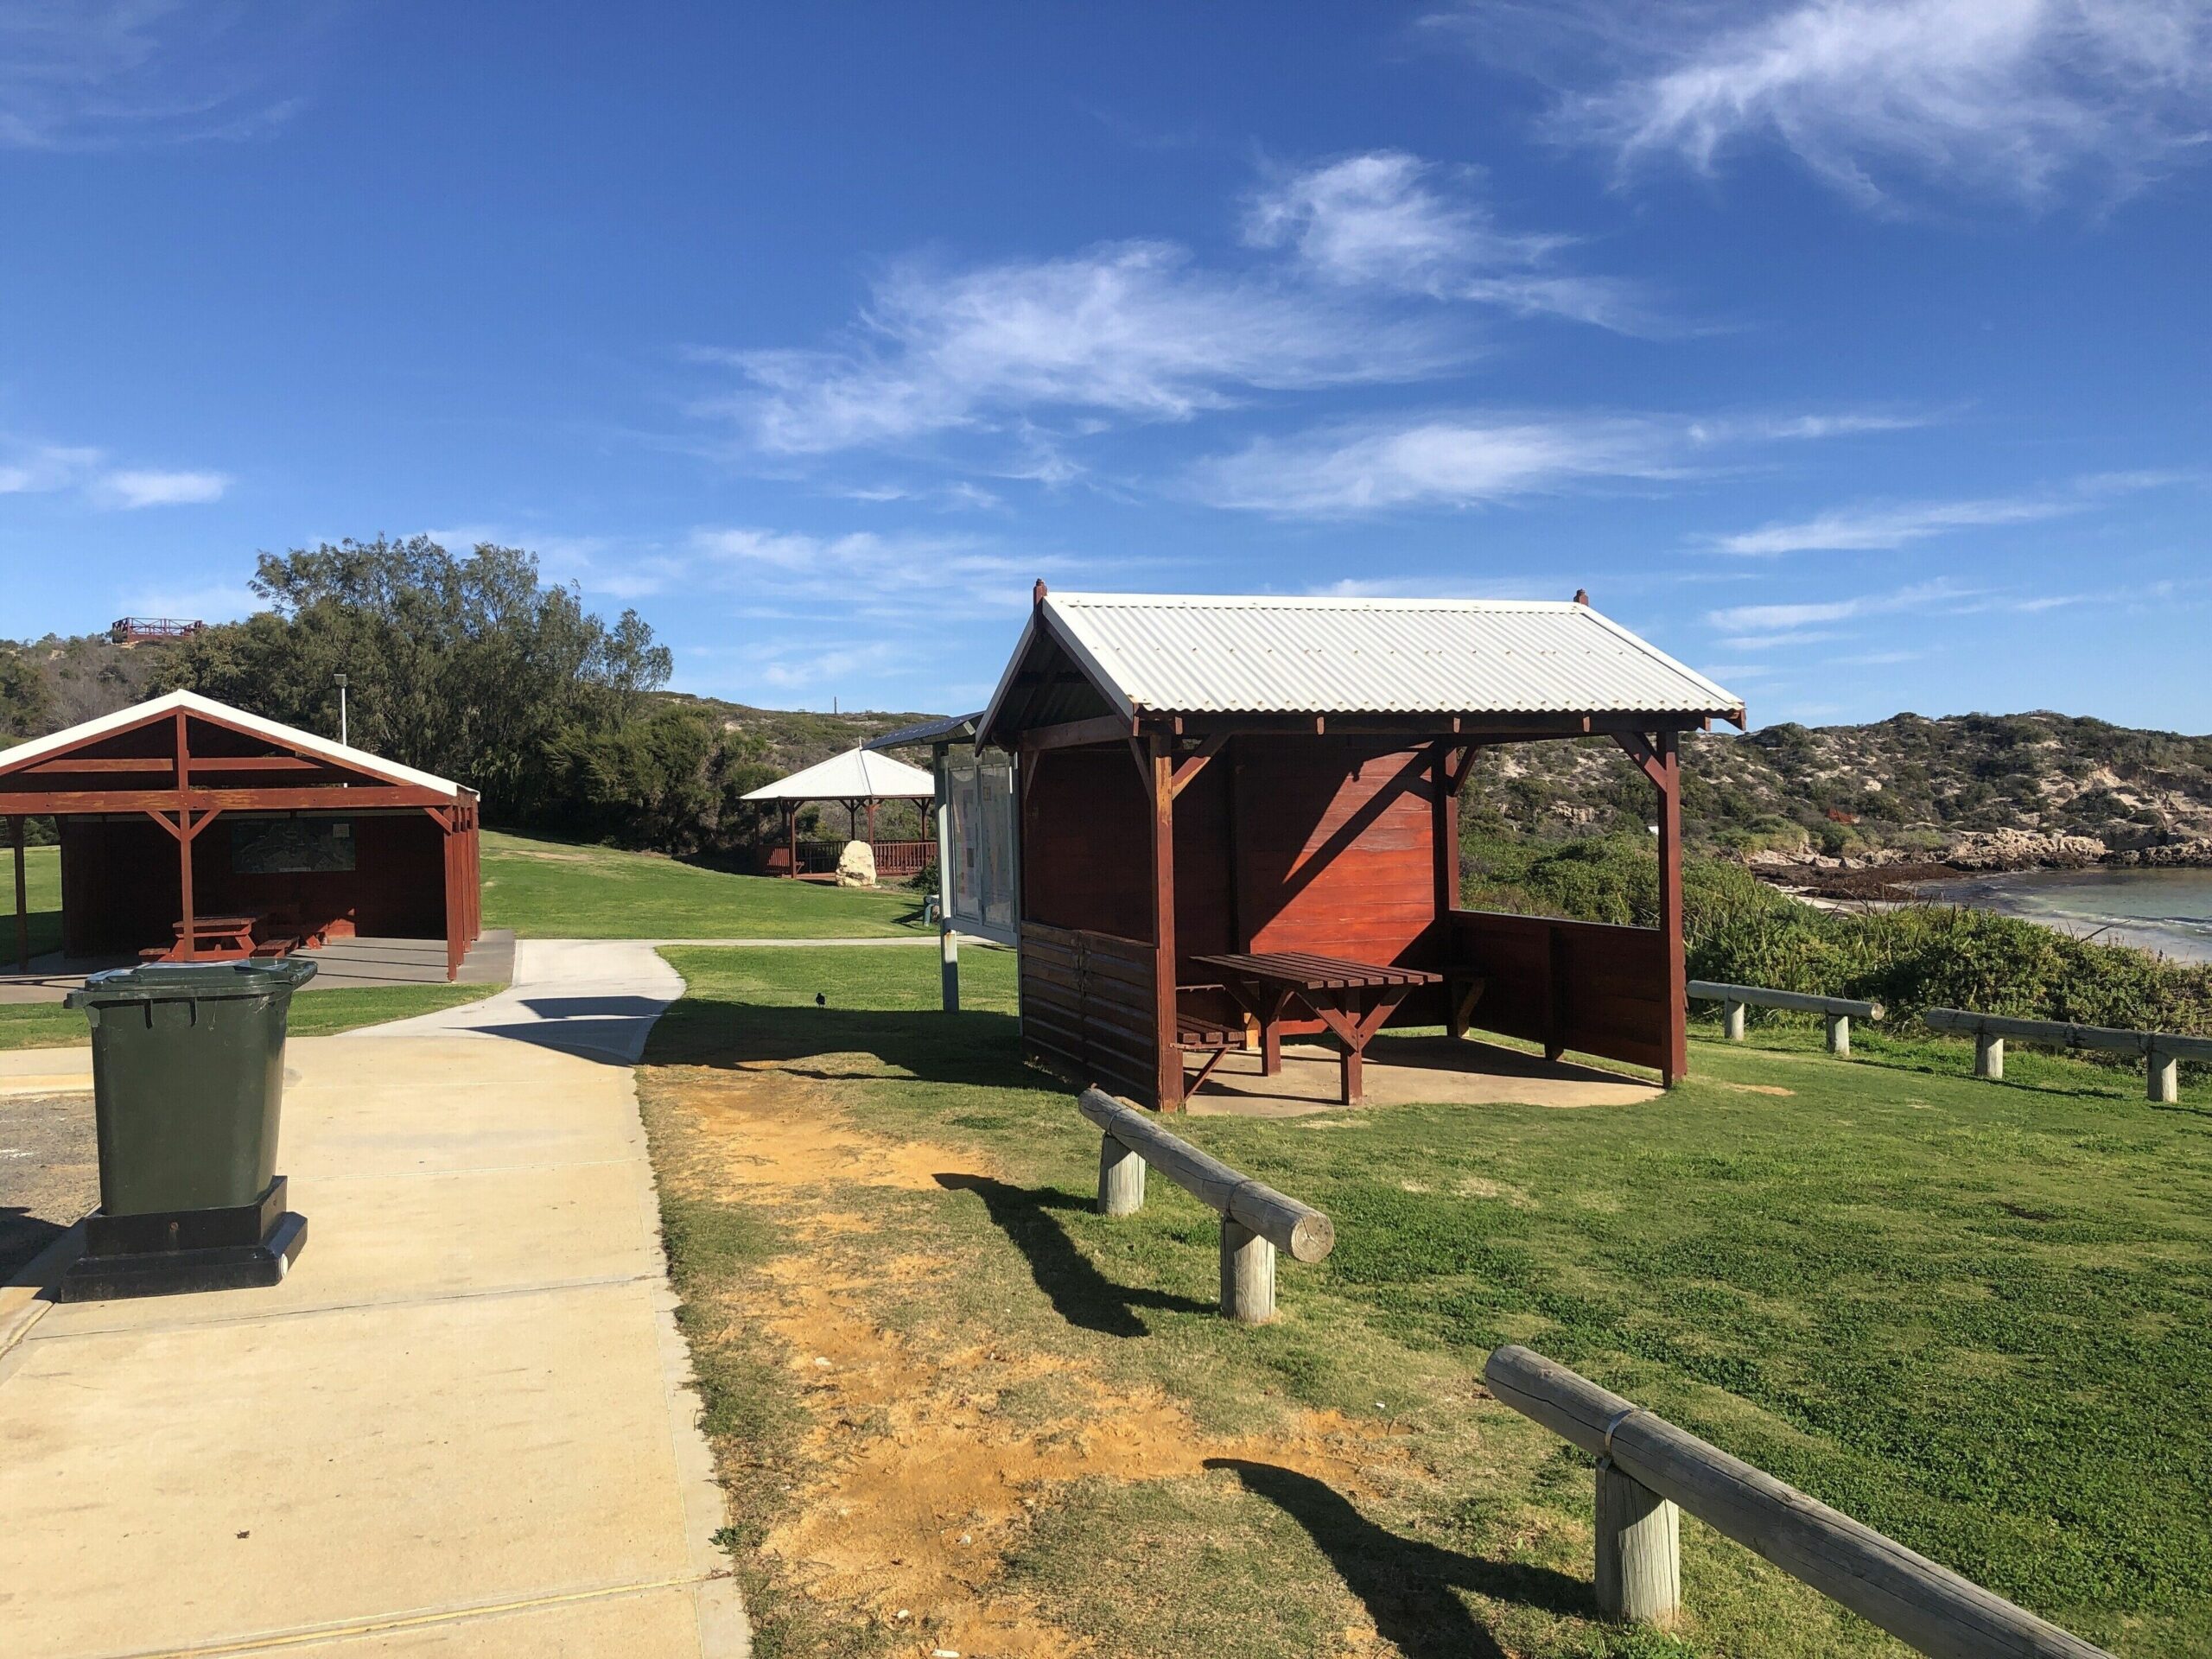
189, 1084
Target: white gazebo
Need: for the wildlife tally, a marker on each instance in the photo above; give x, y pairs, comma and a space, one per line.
857, 779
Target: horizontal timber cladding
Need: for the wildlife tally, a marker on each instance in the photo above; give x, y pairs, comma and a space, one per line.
1318, 844
1585, 986
1087, 1007
1086, 840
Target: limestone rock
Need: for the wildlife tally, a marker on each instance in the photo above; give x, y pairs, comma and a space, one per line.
2022, 849
856, 865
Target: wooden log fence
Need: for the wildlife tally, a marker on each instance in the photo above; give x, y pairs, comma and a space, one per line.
2162, 1050
1839, 1011
1648, 1469
1256, 1221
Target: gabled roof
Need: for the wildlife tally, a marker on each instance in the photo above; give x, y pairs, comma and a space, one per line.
1261, 654
855, 775
192, 703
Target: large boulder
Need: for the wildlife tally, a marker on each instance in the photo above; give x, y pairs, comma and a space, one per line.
856, 865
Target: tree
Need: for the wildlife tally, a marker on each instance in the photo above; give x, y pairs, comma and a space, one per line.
469, 667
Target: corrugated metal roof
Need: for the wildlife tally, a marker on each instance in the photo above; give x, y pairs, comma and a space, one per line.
929, 731
1190, 654
193, 703
855, 775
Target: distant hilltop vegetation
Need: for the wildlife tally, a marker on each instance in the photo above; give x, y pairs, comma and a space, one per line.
1970, 791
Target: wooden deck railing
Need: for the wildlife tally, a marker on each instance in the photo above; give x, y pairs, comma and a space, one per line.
1256, 1220
1646, 1467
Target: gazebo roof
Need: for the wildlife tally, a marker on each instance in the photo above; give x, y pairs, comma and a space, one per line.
855, 775
1273, 655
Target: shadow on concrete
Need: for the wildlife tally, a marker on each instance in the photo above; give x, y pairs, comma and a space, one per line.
22, 1236
1079, 1292
1405, 1585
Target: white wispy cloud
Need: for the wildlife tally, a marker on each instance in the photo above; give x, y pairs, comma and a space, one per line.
94, 74
1878, 527
1462, 460
30, 468
133, 489
1774, 619
1130, 330
1447, 461
1396, 221
863, 570
1881, 98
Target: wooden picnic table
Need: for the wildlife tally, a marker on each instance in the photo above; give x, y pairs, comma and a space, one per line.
222, 938
1352, 999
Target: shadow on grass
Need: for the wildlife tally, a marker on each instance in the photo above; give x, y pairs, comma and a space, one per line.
1405, 1585
1079, 1292
982, 1049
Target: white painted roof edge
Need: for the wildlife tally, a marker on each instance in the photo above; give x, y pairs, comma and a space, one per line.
868, 763
192, 702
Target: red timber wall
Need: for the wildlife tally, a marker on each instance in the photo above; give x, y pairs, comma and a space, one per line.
1086, 928
1309, 844
119, 881
1580, 985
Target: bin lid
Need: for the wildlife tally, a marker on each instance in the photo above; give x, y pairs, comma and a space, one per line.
169, 982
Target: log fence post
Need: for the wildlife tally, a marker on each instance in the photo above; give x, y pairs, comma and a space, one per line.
1121, 1178
2162, 1074
1639, 1570
1839, 1037
1989, 1057
1248, 1274
1732, 1019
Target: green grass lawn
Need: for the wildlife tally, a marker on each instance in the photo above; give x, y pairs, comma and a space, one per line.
545, 889
314, 1013
1972, 1315
41, 891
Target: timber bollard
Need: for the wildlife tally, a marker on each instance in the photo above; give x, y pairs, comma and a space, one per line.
1989, 1055
2162, 1074
1255, 1219
1839, 1034
1121, 1178
1639, 1573
1731, 1018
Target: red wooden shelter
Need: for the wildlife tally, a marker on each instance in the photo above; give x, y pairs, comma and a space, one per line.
192, 830
1241, 803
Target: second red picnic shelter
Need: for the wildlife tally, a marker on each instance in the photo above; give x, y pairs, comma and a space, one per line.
1216, 790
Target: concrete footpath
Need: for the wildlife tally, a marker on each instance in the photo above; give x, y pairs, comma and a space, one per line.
462, 1425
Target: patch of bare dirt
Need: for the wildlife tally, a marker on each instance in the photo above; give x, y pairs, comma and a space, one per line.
1758, 1088
926, 1466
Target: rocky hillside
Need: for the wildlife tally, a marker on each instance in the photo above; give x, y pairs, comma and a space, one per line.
45, 685
1971, 790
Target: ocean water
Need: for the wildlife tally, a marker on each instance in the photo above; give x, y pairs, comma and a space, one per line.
2166, 911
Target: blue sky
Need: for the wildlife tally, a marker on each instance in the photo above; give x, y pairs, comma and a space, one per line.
1856, 353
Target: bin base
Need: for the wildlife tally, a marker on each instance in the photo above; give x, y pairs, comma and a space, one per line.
237, 1249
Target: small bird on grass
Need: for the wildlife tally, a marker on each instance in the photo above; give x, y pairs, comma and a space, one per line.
820, 1000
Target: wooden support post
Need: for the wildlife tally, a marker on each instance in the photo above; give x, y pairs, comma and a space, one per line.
22, 898
1668, 751
183, 838
947, 965
791, 833
1731, 1021
2162, 1074
1121, 1178
1989, 1057
1839, 1034
1248, 1274
1168, 1069
1639, 1550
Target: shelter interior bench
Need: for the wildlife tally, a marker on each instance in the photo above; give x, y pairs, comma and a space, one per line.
1352, 1000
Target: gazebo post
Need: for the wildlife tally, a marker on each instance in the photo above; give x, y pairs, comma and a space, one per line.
791, 832
184, 837
1668, 754
22, 897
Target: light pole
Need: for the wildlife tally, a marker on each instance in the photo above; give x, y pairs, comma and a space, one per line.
340, 678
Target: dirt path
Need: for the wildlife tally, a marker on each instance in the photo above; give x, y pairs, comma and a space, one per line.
926, 1460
